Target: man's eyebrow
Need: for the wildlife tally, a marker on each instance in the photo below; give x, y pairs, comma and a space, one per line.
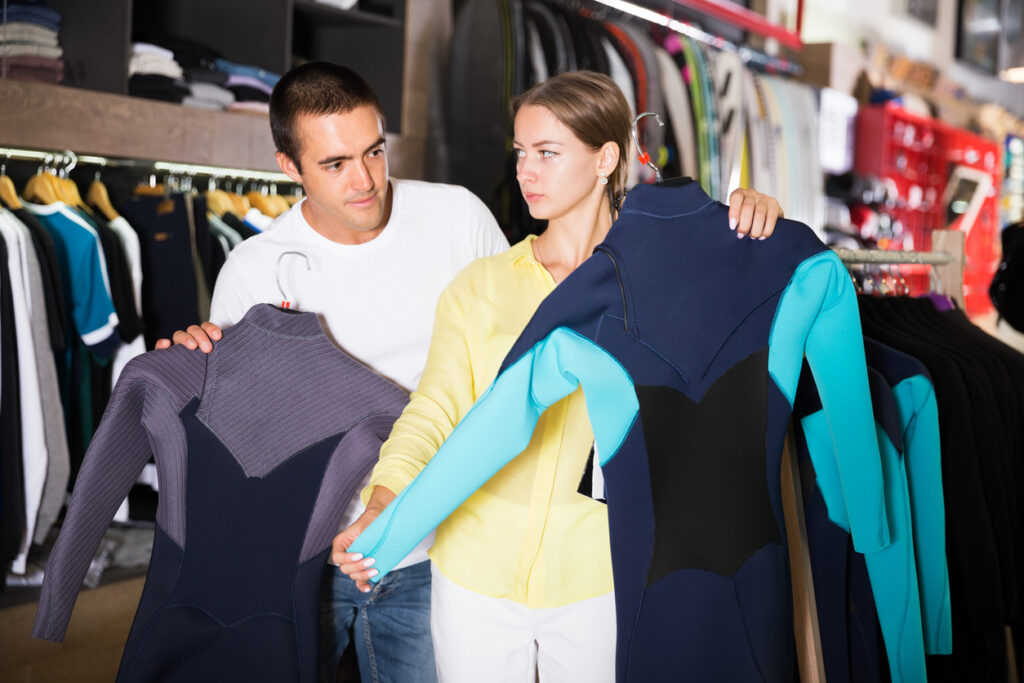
348, 157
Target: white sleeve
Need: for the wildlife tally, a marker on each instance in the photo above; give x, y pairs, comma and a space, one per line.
488, 239
232, 294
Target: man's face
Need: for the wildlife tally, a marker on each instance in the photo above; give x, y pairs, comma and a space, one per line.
344, 173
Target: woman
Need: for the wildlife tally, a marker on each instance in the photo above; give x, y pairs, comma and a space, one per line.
523, 579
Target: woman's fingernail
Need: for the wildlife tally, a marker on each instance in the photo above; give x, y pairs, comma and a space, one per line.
372, 573
356, 557
369, 562
739, 235
733, 223
762, 237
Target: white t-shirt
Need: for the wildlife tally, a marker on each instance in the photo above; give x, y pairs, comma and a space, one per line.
376, 300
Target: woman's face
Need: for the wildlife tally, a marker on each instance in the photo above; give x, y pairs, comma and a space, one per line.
555, 169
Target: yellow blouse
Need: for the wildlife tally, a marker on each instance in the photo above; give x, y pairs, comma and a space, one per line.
527, 534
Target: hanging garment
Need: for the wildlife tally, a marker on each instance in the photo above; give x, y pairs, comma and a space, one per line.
908, 441
53, 289
680, 356
255, 471
169, 292
478, 140
83, 273
12, 486
847, 619
550, 35
33, 434
979, 476
56, 478
677, 104
918, 414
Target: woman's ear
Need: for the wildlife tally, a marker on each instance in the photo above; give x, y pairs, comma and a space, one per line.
608, 158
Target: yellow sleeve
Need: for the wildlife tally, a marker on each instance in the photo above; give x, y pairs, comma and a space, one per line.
445, 393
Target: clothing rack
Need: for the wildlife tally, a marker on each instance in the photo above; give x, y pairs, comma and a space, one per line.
70, 158
749, 56
946, 259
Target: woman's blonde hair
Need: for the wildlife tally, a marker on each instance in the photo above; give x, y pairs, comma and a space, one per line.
593, 107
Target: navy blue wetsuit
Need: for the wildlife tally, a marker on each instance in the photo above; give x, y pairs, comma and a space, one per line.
259, 447
688, 344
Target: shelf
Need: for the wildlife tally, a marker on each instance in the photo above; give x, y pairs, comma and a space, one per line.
318, 10
55, 117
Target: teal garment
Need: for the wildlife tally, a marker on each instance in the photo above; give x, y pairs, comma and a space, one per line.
83, 273
667, 328
809, 324
814, 317
893, 570
507, 414
910, 578
919, 417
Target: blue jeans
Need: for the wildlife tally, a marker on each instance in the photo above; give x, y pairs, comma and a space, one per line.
391, 625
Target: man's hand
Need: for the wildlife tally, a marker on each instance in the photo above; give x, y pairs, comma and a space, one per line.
195, 337
353, 565
752, 213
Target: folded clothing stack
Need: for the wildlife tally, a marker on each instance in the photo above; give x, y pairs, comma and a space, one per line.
29, 49
154, 73
167, 68
251, 85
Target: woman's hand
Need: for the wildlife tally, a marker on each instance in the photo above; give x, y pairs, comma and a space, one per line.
752, 213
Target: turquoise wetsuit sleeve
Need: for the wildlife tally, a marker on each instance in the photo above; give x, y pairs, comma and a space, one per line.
496, 429
818, 318
919, 414
822, 454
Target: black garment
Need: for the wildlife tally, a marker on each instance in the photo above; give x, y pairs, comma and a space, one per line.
188, 53
205, 241
202, 75
239, 225
847, 618
122, 292
590, 54
158, 87
12, 482
995, 408
979, 544
1007, 288
552, 42
247, 93
478, 118
169, 299
57, 313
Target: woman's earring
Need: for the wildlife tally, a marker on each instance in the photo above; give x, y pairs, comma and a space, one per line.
603, 179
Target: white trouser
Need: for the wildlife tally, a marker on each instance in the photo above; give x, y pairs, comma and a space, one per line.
479, 638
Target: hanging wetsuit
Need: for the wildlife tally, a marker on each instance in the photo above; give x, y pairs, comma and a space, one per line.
259, 447
688, 344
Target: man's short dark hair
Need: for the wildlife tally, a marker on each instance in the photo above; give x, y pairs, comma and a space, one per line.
317, 88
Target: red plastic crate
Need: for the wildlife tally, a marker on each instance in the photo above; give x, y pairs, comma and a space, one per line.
914, 156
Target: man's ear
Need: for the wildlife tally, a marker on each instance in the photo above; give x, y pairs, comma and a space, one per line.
288, 167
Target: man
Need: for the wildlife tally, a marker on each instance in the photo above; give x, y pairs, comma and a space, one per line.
381, 251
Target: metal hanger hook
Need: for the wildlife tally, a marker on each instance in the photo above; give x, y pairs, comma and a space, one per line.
644, 157
285, 301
